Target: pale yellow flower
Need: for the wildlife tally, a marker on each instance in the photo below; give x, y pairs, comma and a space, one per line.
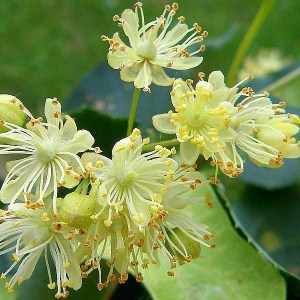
214, 120
29, 231
49, 151
266, 61
153, 46
140, 219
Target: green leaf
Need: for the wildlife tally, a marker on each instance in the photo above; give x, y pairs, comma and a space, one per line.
4, 295
233, 270
271, 179
270, 221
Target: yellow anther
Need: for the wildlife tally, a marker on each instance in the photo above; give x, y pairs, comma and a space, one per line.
157, 198
154, 209
135, 133
51, 285
169, 175
146, 141
66, 265
213, 131
89, 166
214, 140
120, 148
45, 217
15, 257
99, 164
107, 223
139, 218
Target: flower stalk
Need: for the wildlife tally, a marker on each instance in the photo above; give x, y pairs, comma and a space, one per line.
133, 108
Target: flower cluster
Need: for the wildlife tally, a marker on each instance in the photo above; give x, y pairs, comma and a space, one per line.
214, 120
140, 210
153, 46
128, 210
76, 207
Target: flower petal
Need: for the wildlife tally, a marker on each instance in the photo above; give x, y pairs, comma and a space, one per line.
216, 78
162, 123
173, 36
159, 76
69, 129
144, 77
130, 73
180, 63
189, 152
119, 57
81, 141
131, 26
53, 111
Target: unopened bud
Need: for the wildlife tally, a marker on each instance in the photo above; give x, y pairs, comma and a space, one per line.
76, 209
11, 111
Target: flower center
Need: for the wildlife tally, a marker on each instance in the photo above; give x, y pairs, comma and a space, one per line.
45, 151
146, 50
126, 177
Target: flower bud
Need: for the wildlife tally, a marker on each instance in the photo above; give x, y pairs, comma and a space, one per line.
179, 238
76, 209
10, 111
280, 135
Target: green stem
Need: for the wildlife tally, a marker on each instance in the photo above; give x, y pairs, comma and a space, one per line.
257, 22
168, 143
134, 105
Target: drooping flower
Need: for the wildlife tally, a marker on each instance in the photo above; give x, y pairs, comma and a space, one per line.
140, 218
29, 231
153, 46
50, 151
214, 120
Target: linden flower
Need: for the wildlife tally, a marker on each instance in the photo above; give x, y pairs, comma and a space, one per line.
133, 179
208, 120
50, 155
169, 232
266, 61
153, 46
28, 231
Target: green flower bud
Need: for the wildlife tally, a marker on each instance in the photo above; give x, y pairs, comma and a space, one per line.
76, 210
11, 111
185, 244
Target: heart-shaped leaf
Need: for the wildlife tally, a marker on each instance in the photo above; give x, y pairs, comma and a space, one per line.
233, 270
